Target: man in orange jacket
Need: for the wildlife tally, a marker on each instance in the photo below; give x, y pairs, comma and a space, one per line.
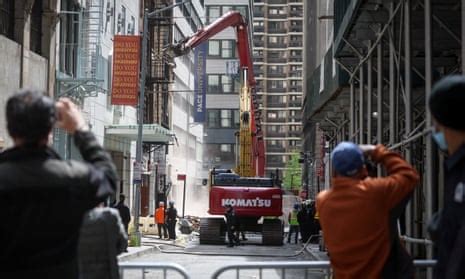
355, 213
160, 220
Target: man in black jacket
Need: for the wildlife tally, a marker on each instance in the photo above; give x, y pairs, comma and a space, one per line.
171, 215
124, 212
43, 197
446, 103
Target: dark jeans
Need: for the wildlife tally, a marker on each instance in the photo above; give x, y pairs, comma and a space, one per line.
172, 229
160, 228
232, 237
295, 229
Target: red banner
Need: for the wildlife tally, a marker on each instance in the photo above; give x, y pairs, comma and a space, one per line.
126, 59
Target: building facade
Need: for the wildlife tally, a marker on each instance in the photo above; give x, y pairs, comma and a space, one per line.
86, 30
185, 156
223, 85
278, 58
27, 50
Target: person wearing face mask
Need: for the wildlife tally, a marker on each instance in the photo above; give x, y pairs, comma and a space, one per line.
446, 104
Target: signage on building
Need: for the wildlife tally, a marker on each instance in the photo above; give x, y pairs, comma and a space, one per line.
126, 60
137, 173
200, 84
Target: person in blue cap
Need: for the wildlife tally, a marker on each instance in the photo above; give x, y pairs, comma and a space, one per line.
355, 213
447, 104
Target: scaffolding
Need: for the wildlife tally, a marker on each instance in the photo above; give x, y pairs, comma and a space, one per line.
393, 51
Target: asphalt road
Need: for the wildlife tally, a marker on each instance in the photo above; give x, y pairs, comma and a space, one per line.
203, 266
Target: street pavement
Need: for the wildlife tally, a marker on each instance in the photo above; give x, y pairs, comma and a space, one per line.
200, 261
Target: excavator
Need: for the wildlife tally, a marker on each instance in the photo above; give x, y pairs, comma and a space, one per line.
255, 199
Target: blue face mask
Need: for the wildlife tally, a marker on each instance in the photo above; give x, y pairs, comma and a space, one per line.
440, 139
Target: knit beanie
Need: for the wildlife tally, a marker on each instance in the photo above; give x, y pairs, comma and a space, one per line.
447, 102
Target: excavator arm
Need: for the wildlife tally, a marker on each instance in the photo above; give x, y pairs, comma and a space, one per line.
251, 143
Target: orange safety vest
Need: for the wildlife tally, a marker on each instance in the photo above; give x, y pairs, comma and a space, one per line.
160, 215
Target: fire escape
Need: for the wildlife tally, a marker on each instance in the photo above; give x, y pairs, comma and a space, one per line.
87, 75
159, 75
158, 82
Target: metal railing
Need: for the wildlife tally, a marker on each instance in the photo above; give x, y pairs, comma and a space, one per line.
308, 267
143, 267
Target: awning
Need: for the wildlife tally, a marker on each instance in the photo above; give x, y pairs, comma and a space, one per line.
150, 132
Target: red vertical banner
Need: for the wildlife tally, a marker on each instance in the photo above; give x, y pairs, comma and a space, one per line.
126, 60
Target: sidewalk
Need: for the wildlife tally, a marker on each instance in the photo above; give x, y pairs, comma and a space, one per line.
134, 252
150, 241
316, 254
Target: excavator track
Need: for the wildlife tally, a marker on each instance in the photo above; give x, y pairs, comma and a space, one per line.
272, 232
212, 231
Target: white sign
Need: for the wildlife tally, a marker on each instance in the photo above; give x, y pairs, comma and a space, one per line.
137, 174
257, 202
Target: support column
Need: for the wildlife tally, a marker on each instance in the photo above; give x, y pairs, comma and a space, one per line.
463, 37
408, 105
392, 84
379, 100
428, 174
361, 106
369, 95
352, 112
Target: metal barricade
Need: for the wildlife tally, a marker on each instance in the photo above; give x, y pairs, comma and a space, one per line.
322, 266
145, 266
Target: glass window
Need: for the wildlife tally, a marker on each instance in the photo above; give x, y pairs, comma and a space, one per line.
7, 18
226, 147
36, 27
213, 85
226, 83
242, 10
214, 48
272, 115
213, 13
226, 117
227, 9
213, 119
236, 118
226, 49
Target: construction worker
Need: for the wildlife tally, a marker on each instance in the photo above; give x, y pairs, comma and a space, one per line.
171, 215
160, 220
293, 224
231, 224
355, 213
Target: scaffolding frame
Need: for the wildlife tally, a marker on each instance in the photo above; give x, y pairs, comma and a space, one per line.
387, 104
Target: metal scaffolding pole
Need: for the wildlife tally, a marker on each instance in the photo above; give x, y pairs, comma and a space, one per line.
369, 95
428, 175
408, 102
361, 105
352, 111
463, 36
379, 100
392, 86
